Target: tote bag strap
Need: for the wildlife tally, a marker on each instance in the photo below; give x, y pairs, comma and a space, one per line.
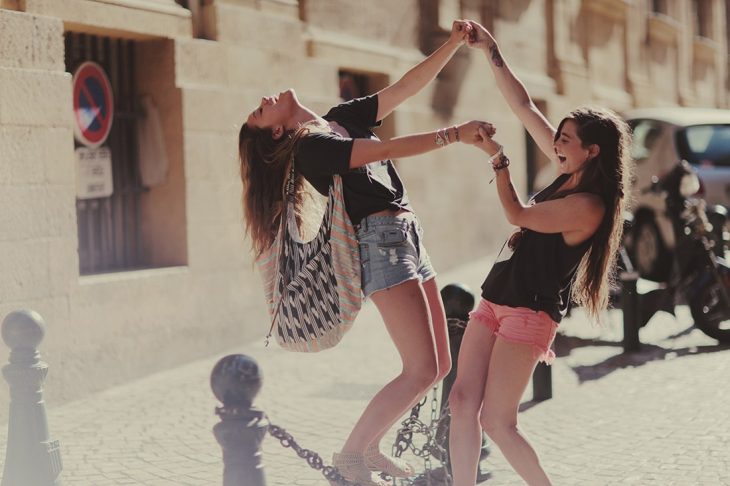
282, 235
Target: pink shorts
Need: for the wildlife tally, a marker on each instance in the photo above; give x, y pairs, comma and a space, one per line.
519, 325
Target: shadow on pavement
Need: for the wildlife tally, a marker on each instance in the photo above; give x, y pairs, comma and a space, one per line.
564, 345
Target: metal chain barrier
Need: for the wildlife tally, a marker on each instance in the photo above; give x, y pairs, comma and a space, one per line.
431, 447
313, 459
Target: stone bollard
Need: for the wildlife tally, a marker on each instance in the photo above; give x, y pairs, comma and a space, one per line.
236, 380
32, 458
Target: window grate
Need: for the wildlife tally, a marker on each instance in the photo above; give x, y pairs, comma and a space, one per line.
109, 228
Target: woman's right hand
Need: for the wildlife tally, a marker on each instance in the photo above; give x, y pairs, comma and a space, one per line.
469, 131
478, 36
460, 32
486, 142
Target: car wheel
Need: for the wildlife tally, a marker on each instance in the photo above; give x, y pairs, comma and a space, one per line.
649, 254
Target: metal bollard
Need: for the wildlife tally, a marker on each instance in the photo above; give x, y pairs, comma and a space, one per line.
542, 382
235, 381
458, 300
630, 309
31, 458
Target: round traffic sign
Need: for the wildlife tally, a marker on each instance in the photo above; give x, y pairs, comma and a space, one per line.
93, 104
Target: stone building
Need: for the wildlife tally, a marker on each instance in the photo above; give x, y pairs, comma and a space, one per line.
137, 260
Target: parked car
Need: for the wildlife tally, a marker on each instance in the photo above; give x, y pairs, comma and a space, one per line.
662, 137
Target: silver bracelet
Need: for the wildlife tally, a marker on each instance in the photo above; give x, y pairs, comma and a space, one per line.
440, 141
496, 155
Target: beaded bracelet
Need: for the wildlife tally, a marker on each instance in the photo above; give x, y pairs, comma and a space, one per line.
502, 164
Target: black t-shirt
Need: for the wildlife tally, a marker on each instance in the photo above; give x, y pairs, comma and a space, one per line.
535, 270
368, 189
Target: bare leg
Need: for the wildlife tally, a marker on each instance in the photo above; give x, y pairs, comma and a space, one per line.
511, 367
405, 310
465, 401
441, 336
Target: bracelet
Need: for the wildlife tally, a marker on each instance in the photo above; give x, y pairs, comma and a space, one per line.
496, 155
440, 140
502, 164
446, 135
456, 133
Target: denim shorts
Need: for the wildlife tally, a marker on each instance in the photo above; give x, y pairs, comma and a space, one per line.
392, 252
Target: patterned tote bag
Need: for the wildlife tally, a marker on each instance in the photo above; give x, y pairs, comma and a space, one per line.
312, 288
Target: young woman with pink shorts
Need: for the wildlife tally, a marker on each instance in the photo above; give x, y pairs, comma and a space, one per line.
563, 251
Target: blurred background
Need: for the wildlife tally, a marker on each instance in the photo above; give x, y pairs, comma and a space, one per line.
124, 229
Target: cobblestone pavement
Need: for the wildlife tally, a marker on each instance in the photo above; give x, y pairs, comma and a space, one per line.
660, 416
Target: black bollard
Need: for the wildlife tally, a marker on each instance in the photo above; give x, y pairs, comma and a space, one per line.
542, 382
236, 380
630, 309
459, 301
31, 458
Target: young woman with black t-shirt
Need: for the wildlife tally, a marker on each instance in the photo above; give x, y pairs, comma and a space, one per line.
396, 271
564, 249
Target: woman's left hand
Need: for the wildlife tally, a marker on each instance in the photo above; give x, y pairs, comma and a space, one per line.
469, 131
460, 30
486, 142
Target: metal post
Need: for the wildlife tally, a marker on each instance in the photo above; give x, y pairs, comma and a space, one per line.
458, 300
236, 380
542, 382
630, 308
31, 456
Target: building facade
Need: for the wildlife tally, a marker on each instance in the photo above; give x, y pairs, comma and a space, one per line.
133, 250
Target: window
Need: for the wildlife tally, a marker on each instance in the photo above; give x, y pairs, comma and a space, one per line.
646, 133
706, 144
659, 6
109, 227
702, 17
138, 220
353, 85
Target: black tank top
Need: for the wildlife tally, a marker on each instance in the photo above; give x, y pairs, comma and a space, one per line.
535, 270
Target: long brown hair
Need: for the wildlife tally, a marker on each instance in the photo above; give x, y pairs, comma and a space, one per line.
607, 175
265, 165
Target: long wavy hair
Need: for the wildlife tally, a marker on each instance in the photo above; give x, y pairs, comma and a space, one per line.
265, 165
607, 175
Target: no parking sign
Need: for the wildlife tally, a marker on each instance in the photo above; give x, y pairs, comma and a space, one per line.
93, 104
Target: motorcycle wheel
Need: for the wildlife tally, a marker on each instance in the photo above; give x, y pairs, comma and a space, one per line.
710, 312
648, 252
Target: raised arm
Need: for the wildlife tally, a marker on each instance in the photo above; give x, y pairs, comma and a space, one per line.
365, 151
513, 90
579, 214
423, 73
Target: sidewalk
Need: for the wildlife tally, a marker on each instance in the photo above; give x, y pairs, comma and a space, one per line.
660, 416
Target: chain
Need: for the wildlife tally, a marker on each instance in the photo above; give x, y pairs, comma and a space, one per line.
405, 435
313, 459
433, 433
414, 426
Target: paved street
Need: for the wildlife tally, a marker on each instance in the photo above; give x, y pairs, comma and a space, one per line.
660, 416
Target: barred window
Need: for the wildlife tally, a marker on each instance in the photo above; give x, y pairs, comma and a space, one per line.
137, 219
109, 227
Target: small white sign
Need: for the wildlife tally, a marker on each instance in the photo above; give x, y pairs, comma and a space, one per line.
94, 173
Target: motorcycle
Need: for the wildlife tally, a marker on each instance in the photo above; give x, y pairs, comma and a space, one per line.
697, 273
